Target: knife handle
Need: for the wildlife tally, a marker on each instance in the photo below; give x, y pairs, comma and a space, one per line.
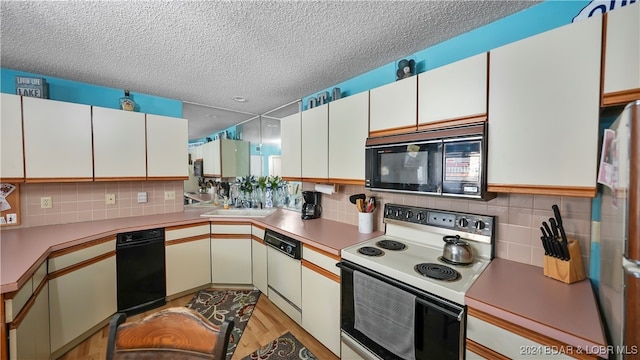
549, 232
556, 212
554, 226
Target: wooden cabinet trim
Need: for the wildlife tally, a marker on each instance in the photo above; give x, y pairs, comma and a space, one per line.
393, 131
167, 178
316, 180
213, 223
258, 239
543, 190
81, 265
315, 268
231, 236
323, 252
357, 182
185, 226
75, 248
17, 320
187, 239
121, 178
483, 351
289, 178
526, 333
467, 120
50, 180
620, 97
261, 227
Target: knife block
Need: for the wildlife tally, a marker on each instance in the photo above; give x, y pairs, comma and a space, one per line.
569, 271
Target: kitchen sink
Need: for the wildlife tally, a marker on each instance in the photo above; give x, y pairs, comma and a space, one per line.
239, 212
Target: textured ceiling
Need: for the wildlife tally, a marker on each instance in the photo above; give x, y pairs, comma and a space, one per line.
206, 52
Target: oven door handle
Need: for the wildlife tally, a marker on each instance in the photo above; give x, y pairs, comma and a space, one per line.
458, 316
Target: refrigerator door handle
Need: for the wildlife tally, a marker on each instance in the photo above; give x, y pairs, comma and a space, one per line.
631, 268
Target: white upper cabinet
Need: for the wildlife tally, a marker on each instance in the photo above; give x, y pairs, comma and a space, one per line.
456, 91
210, 153
57, 140
315, 137
291, 146
394, 107
348, 131
543, 112
12, 160
234, 157
622, 55
225, 158
119, 147
167, 147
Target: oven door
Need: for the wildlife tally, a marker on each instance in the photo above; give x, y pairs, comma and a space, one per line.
405, 167
440, 325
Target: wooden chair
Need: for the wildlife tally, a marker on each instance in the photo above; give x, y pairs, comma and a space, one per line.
173, 333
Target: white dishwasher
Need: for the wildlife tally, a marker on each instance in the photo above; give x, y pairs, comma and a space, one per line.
284, 273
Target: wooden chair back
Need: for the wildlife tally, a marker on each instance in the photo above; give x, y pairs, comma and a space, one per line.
173, 333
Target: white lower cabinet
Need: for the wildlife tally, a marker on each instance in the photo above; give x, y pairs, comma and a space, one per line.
80, 299
259, 259
29, 339
231, 254
506, 343
321, 298
188, 258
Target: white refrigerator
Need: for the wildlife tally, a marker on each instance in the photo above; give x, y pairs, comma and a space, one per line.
619, 289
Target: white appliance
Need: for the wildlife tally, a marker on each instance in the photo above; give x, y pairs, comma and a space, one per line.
619, 289
412, 244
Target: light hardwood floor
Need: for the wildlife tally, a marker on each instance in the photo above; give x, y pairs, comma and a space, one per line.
267, 323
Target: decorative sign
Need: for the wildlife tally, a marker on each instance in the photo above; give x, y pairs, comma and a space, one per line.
323, 98
32, 87
598, 7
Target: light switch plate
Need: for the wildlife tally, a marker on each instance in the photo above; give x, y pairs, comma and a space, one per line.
110, 199
142, 197
169, 195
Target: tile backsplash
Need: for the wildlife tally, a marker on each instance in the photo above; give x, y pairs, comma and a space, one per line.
85, 201
518, 217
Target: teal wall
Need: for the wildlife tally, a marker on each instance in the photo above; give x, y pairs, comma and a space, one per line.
80, 93
537, 19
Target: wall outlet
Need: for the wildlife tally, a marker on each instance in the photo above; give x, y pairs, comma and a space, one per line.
46, 203
12, 218
169, 195
142, 197
110, 199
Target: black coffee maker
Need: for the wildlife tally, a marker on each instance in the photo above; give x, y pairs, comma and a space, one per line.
311, 208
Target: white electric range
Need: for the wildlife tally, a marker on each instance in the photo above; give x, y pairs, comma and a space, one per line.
421, 231
408, 260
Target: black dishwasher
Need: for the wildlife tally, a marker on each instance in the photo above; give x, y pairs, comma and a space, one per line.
140, 267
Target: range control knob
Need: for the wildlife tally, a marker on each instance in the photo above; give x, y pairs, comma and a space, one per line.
389, 211
409, 214
479, 225
463, 222
289, 249
398, 213
420, 216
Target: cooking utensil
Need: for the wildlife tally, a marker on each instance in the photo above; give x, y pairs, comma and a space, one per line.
360, 205
353, 198
457, 251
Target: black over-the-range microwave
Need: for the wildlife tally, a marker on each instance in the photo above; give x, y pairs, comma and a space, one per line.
444, 162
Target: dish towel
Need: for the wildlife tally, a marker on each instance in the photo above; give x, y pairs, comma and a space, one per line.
385, 314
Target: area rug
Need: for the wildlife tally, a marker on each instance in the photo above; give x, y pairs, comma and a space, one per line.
286, 347
217, 305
